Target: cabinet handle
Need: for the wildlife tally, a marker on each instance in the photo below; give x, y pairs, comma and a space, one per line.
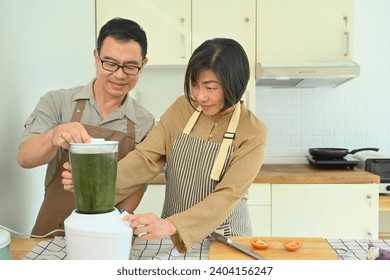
369, 196
182, 49
346, 33
182, 42
346, 43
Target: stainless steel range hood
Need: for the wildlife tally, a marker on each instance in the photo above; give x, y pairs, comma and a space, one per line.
313, 75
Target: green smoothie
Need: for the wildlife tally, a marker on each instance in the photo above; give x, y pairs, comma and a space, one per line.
94, 179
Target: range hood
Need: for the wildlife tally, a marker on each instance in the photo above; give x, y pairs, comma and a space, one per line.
310, 75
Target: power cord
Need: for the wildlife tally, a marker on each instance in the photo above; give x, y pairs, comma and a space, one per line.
31, 235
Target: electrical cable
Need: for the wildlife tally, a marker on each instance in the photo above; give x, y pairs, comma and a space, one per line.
31, 235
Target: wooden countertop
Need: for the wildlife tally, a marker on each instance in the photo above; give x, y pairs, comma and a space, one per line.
307, 174
384, 202
312, 249
304, 174
20, 247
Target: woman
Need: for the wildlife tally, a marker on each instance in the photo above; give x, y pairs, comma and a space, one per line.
212, 146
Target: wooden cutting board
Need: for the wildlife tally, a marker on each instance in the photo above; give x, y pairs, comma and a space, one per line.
312, 249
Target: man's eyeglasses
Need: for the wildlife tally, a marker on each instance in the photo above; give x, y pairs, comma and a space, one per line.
112, 67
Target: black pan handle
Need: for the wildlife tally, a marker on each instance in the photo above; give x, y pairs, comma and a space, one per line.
364, 149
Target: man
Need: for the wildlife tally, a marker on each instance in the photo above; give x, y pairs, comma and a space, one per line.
100, 109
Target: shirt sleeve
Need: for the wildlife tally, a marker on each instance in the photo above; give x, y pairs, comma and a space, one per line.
145, 162
44, 117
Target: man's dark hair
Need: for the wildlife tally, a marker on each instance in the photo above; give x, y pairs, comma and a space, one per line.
123, 30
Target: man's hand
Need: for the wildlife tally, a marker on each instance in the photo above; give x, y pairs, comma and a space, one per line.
66, 133
67, 177
41, 148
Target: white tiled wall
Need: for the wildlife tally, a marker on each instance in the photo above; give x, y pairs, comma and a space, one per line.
353, 115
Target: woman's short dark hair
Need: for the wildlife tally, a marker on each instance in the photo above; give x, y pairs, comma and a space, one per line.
123, 30
228, 60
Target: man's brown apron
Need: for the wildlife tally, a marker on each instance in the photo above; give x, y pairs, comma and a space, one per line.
58, 204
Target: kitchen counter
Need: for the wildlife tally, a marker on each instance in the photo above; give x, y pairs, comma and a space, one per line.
20, 247
312, 249
307, 174
304, 174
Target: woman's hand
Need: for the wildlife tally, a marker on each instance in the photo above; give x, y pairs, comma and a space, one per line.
67, 177
149, 226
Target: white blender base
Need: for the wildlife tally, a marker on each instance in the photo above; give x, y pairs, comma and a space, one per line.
97, 236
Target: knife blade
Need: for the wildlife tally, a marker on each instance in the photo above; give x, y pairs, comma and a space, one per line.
242, 248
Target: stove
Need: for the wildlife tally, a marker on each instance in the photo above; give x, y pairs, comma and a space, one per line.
377, 164
344, 163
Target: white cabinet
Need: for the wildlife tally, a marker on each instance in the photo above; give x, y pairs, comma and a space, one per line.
349, 211
304, 31
259, 204
153, 200
167, 24
325, 210
233, 19
225, 18
176, 27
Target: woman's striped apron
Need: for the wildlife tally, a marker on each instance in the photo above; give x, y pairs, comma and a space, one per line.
189, 170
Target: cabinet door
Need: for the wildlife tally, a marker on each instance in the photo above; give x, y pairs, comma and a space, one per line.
304, 31
153, 200
230, 19
225, 18
325, 210
167, 24
259, 204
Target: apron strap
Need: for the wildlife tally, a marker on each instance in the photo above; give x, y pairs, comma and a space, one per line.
192, 121
228, 138
78, 110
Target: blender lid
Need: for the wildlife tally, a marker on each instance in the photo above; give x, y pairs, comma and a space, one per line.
96, 141
97, 145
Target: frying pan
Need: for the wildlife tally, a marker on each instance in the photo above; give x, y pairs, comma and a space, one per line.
335, 153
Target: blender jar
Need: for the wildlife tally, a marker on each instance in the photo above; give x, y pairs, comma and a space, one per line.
94, 170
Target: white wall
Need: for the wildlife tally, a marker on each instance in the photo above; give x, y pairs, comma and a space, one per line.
45, 45
353, 115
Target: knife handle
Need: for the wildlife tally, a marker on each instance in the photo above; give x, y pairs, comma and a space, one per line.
219, 237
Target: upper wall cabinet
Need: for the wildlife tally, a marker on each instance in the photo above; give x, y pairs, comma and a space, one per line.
225, 18
304, 31
167, 24
176, 27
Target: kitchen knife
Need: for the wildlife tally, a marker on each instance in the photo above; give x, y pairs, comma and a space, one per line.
242, 248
